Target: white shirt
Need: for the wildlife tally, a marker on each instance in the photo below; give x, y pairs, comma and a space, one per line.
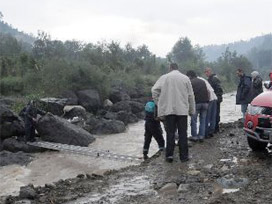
212, 95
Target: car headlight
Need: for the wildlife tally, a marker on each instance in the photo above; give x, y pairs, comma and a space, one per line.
254, 110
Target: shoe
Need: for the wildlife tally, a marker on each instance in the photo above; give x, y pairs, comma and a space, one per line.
169, 160
193, 139
201, 140
184, 160
145, 157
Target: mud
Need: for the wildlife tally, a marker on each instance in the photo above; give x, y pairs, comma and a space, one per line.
221, 170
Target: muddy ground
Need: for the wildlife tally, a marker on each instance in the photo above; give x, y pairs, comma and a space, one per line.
221, 170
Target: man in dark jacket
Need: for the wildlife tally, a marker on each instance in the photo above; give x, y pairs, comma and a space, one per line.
216, 85
29, 114
202, 102
243, 95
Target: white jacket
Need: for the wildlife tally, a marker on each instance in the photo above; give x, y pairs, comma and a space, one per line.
173, 93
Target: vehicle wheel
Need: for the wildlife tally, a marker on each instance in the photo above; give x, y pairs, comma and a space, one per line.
255, 145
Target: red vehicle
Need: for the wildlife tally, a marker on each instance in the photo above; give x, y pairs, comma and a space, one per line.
258, 122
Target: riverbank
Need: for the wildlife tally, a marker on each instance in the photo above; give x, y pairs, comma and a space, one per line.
221, 170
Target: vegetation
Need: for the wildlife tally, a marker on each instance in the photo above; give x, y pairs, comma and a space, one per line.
48, 67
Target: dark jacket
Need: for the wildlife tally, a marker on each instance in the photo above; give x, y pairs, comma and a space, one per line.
256, 87
200, 90
243, 91
216, 85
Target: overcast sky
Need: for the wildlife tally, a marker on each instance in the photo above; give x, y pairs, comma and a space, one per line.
156, 23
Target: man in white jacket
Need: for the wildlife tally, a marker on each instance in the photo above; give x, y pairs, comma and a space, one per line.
173, 93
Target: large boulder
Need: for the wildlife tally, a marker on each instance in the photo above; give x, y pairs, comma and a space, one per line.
8, 158
117, 95
13, 145
10, 123
89, 99
121, 106
104, 126
136, 107
52, 105
71, 97
55, 129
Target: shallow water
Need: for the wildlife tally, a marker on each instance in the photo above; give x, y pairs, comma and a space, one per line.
49, 167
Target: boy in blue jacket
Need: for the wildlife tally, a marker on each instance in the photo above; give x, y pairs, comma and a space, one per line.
152, 128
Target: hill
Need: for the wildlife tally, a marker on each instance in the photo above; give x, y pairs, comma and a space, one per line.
212, 52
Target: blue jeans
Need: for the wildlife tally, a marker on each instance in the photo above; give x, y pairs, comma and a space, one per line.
211, 118
201, 110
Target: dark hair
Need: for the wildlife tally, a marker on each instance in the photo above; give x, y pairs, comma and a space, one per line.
174, 66
240, 70
191, 74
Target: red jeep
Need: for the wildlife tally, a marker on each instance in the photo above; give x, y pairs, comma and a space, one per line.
258, 122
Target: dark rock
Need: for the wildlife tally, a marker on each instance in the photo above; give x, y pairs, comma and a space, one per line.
71, 97
123, 116
117, 95
142, 100
27, 192
55, 129
10, 123
111, 116
121, 106
140, 115
8, 158
6, 102
136, 107
74, 111
132, 118
52, 105
14, 145
108, 127
89, 99
231, 134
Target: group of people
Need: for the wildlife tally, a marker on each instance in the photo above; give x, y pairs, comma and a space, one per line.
249, 87
175, 96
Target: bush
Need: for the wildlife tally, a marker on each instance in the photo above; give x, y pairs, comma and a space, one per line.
11, 85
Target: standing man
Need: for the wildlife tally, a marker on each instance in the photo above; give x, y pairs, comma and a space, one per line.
216, 85
202, 101
174, 95
243, 95
257, 84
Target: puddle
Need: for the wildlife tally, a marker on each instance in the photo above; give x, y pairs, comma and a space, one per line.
230, 190
132, 187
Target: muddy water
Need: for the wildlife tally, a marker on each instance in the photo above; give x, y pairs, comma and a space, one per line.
51, 166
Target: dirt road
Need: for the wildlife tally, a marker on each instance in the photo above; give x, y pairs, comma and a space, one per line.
221, 170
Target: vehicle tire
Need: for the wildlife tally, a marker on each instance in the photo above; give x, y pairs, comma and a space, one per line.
255, 145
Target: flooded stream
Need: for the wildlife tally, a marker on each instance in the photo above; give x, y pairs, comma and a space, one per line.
49, 167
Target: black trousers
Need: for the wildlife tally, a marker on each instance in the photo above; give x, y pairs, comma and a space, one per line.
179, 122
152, 128
29, 131
217, 117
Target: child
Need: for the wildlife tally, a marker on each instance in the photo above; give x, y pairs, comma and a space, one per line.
152, 128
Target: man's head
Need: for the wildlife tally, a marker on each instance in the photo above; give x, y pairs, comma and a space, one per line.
208, 71
173, 66
270, 76
240, 72
191, 74
254, 74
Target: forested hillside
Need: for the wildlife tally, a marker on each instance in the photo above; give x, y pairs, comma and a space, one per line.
258, 50
49, 67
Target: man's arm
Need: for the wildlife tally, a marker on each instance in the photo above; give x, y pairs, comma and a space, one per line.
156, 89
191, 98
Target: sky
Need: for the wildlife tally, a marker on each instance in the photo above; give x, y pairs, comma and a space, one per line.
156, 23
